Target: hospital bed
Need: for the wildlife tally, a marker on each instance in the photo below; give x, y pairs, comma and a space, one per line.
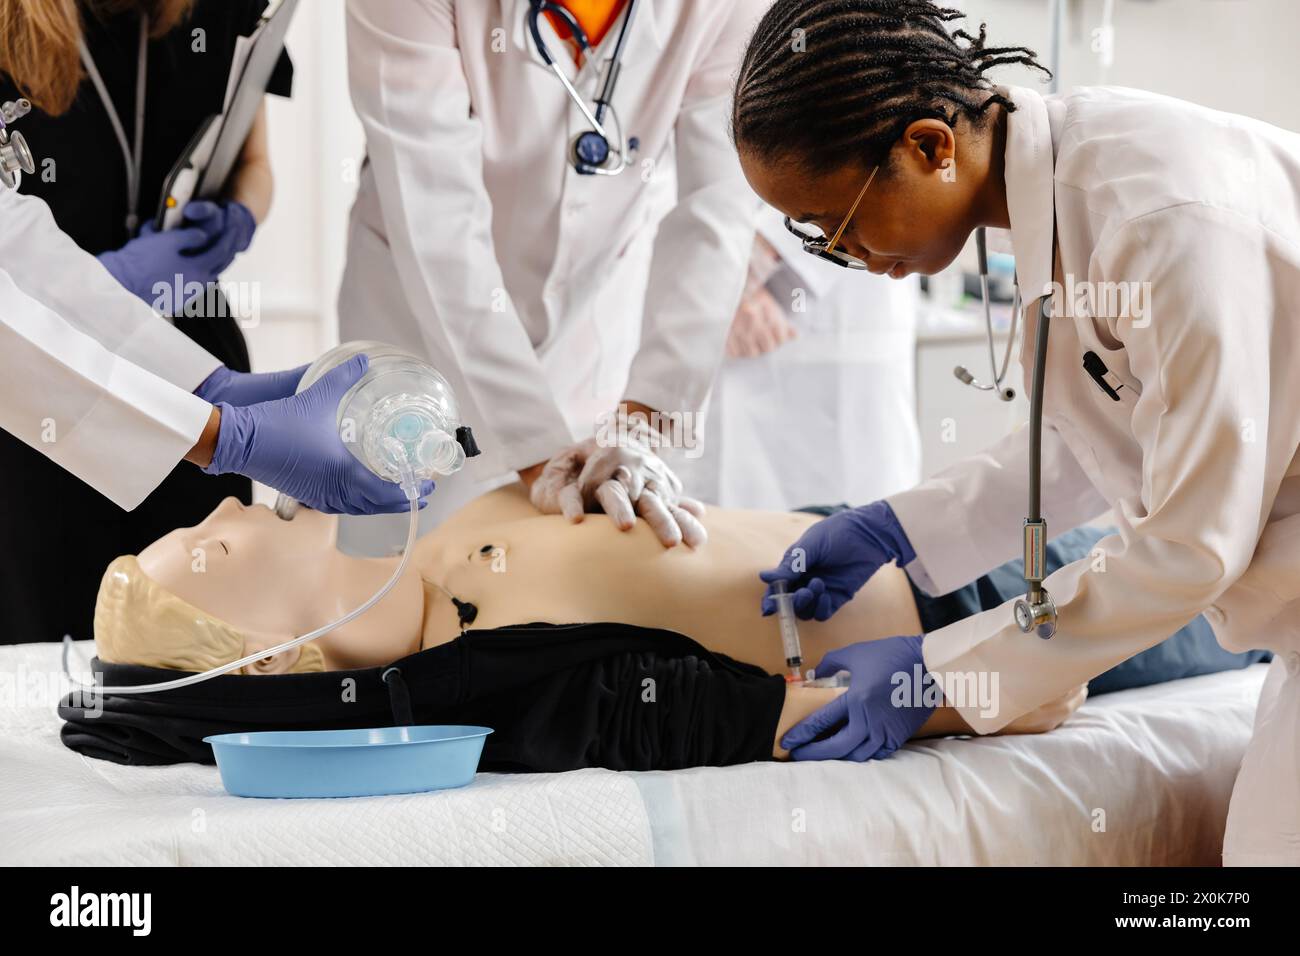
1138, 777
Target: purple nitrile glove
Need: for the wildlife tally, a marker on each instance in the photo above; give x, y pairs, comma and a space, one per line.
248, 388
293, 445
869, 723
228, 226
156, 257
833, 559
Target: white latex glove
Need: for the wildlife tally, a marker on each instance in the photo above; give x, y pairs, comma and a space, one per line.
759, 326
764, 260
624, 481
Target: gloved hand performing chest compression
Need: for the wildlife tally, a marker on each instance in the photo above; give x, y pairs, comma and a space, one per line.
625, 478
833, 559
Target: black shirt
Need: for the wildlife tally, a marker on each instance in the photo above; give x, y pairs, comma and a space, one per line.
80, 170
48, 585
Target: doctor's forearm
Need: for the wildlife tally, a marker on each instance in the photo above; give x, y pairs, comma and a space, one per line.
629, 408
201, 453
252, 182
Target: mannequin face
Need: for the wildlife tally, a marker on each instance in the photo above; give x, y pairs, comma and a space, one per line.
275, 579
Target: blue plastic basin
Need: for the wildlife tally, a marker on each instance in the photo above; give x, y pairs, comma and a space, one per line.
348, 763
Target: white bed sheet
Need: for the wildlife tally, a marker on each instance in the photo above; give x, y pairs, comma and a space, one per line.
1138, 777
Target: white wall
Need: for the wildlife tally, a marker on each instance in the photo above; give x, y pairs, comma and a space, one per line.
1235, 55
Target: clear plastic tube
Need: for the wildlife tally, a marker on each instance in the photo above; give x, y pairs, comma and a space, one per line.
409, 485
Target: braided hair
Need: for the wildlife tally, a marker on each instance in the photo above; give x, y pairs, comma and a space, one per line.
828, 82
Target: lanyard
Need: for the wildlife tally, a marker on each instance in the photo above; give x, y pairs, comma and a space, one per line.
132, 157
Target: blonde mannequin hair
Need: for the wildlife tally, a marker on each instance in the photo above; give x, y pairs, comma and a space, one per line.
138, 621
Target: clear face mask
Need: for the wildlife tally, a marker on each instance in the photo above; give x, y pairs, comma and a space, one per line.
401, 421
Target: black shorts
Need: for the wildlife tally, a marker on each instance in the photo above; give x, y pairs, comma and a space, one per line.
559, 697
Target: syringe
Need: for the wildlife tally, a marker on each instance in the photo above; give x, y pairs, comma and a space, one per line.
789, 631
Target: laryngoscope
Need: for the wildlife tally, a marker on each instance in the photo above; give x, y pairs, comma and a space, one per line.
402, 422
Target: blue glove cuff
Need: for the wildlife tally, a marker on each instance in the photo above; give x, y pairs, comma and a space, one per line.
234, 441
883, 524
212, 387
241, 223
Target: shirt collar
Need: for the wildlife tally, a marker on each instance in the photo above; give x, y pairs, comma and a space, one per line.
645, 27
1030, 170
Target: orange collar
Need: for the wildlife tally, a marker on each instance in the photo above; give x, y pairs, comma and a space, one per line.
596, 17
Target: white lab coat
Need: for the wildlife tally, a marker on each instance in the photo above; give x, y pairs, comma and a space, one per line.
90, 376
543, 295
1198, 458
829, 416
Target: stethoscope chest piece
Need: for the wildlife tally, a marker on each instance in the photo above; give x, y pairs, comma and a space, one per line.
1035, 613
589, 152
1037, 617
15, 154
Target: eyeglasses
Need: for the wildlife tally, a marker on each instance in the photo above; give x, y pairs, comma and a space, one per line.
815, 242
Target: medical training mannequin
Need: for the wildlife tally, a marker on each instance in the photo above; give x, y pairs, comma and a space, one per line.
244, 579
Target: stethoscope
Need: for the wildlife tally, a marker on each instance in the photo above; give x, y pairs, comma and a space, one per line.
132, 155
592, 152
15, 155
1036, 611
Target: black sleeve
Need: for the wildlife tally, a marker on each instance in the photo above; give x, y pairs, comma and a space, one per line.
249, 13
281, 81
637, 710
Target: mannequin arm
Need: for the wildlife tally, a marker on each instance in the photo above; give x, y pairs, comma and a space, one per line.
944, 722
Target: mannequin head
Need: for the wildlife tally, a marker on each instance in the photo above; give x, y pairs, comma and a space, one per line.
138, 621
244, 580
